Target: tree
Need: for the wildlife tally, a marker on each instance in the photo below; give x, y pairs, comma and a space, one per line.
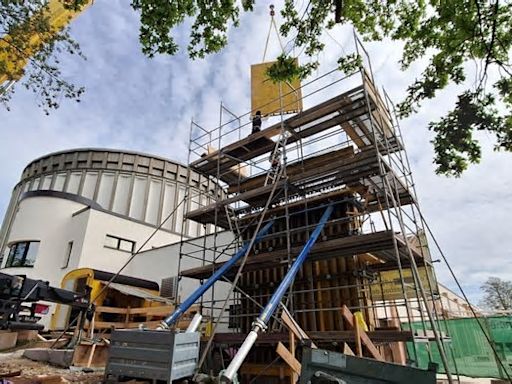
454, 35
498, 294
450, 33
30, 46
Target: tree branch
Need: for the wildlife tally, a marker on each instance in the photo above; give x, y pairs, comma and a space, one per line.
491, 45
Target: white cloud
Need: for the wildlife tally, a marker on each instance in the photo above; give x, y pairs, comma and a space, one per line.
136, 103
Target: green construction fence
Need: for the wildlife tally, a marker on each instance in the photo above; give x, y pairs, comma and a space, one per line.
469, 352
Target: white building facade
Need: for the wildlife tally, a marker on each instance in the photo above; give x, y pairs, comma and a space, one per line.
95, 207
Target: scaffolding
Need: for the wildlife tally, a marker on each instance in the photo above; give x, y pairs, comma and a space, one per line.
345, 151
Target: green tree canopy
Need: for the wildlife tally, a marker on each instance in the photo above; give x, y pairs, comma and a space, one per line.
30, 46
453, 35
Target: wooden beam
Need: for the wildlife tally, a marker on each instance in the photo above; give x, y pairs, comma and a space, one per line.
288, 358
295, 328
342, 246
351, 321
295, 168
325, 337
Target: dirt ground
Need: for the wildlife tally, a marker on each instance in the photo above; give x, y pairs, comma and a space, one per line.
35, 372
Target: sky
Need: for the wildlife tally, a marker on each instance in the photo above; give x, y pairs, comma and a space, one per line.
135, 103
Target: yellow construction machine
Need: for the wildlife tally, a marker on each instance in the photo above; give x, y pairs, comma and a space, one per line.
16, 58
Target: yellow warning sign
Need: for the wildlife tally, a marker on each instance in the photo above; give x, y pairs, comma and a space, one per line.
389, 286
265, 94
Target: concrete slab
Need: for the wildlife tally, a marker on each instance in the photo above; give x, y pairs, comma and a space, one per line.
58, 357
8, 340
27, 335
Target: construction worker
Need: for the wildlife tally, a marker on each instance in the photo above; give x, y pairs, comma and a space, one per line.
256, 122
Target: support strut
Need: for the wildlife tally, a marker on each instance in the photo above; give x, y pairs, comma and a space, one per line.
183, 307
260, 324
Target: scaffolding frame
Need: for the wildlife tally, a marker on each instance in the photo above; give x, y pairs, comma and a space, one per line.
375, 181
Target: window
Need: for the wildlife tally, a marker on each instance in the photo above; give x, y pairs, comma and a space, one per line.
169, 288
22, 254
118, 243
67, 255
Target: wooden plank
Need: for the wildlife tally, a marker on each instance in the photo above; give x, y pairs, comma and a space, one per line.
163, 310
295, 328
91, 355
291, 343
309, 115
87, 355
343, 246
398, 349
101, 309
134, 324
296, 168
349, 318
108, 324
345, 111
326, 337
289, 359
39, 379
318, 298
354, 136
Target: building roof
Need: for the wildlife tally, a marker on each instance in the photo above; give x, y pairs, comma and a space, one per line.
97, 149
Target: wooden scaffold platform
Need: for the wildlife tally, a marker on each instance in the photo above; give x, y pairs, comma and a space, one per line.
346, 152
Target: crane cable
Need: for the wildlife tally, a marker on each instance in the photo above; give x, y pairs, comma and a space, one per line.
272, 24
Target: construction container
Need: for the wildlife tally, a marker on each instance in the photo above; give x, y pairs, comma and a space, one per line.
153, 355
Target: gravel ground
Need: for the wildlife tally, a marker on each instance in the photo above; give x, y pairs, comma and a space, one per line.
30, 370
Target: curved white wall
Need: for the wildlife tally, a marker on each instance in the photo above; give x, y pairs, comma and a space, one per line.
138, 186
54, 222
81, 196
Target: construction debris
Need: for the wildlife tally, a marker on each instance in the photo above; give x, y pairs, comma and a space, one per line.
32, 372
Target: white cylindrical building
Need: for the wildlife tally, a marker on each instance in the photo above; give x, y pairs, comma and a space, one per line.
93, 207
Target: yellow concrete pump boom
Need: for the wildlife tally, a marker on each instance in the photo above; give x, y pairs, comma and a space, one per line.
15, 59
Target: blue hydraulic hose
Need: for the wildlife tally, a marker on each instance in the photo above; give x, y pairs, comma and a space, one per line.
271, 306
183, 307
228, 376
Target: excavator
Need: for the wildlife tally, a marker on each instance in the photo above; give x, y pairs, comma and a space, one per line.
168, 355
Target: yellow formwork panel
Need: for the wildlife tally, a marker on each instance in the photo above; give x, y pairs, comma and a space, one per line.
390, 287
265, 94
58, 17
